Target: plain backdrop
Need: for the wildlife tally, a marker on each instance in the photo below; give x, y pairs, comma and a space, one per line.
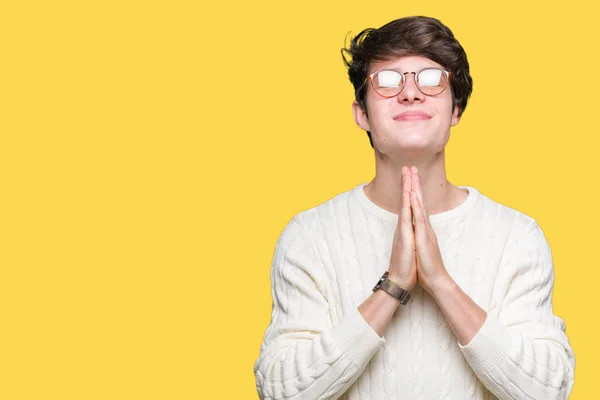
151, 153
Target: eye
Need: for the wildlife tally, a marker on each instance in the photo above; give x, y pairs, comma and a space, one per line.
390, 79
431, 77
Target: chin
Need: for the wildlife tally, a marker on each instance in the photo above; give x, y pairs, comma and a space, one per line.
400, 142
415, 138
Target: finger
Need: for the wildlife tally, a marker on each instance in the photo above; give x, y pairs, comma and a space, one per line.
416, 183
406, 185
406, 190
406, 179
406, 227
419, 216
416, 177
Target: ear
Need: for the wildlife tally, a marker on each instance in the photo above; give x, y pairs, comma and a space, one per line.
360, 116
455, 117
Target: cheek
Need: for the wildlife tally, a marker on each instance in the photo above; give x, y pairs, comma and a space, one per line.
385, 108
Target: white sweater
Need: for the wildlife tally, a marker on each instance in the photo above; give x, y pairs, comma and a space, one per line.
325, 264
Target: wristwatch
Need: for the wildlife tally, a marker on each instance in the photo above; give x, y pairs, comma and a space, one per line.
394, 290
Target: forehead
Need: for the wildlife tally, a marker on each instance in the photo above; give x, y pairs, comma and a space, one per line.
404, 63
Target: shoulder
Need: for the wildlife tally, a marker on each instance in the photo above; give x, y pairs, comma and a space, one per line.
331, 212
515, 223
300, 246
525, 248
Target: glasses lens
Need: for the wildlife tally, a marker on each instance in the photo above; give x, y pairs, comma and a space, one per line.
387, 83
432, 81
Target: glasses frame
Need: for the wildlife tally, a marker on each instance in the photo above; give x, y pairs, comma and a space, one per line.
370, 78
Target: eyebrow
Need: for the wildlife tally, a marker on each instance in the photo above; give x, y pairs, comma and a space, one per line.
405, 72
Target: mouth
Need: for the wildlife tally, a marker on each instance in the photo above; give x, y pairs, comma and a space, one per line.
412, 116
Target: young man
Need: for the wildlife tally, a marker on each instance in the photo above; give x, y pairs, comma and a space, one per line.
464, 309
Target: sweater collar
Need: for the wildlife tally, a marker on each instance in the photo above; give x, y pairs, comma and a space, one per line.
459, 211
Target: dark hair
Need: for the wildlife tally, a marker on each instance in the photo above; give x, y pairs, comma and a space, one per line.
416, 35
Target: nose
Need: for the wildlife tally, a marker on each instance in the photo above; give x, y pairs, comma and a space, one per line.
410, 93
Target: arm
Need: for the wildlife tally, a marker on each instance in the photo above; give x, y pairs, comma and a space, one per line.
305, 355
523, 352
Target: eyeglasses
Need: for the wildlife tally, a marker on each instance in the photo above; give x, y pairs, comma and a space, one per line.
390, 82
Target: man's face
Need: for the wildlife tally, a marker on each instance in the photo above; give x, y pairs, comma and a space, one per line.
392, 134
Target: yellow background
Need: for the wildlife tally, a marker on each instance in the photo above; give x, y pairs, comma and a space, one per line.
152, 152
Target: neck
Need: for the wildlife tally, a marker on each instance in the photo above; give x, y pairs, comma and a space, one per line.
385, 189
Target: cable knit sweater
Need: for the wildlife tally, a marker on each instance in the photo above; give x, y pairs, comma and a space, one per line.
325, 264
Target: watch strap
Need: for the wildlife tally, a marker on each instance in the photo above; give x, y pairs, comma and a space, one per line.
393, 289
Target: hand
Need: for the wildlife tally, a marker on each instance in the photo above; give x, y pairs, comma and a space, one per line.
403, 262
430, 267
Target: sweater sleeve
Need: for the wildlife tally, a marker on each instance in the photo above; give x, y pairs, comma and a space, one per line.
524, 352
303, 355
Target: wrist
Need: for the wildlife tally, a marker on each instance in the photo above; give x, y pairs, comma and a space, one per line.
384, 299
442, 287
403, 283
392, 288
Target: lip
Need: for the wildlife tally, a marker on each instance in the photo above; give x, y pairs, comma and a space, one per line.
412, 116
